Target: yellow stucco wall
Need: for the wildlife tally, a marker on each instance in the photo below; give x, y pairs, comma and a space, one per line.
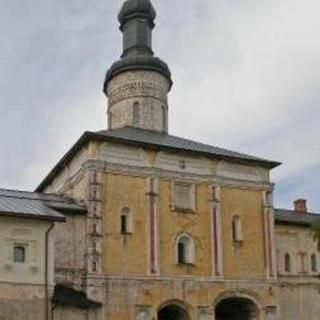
124, 254
128, 254
248, 260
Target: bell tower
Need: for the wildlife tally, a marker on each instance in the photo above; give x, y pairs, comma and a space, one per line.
138, 84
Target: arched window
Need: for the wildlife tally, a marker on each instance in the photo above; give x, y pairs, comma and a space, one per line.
125, 221
185, 250
110, 119
314, 263
236, 229
164, 117
19, 254
135, 114
287, 262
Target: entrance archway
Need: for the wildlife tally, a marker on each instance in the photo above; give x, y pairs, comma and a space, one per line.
236, 309
173, 312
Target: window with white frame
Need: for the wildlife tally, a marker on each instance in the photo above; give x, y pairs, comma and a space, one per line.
184, 196
185, 250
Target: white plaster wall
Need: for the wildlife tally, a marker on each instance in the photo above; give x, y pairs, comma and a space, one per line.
292, 240
30, 233
299, 292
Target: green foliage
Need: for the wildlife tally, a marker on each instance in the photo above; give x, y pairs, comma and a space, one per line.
315, 227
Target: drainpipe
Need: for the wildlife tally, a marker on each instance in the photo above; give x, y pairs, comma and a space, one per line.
46, 273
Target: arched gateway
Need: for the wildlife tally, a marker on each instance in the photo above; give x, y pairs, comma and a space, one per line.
173, 312
236, 309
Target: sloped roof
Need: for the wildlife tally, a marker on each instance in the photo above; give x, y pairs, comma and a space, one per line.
291, 217
36, 205
157, 139
147, 138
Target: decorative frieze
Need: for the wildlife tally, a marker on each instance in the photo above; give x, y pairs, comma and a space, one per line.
173, 162
138, 99
125, 155
137, 83
239, 172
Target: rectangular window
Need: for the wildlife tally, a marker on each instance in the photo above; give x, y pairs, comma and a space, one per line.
19, 254
184, 196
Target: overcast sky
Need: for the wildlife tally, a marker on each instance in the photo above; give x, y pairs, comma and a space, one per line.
246, 77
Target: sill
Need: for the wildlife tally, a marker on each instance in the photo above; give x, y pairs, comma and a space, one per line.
237, 244
126, 233
187, 264
8, 266
184, 210
34, 269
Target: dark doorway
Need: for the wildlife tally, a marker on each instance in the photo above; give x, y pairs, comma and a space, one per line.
236, 309
173, 312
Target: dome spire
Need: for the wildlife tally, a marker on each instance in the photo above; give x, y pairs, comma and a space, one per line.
136, 19
138, 83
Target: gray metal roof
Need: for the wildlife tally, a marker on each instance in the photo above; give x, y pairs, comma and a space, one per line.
36, 205
283, 216
147, 138
153, 138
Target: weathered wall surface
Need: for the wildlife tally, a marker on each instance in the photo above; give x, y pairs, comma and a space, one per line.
70, 248
21, 301
300, 300
127, 296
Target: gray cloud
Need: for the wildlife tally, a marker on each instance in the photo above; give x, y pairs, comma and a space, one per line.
246, 73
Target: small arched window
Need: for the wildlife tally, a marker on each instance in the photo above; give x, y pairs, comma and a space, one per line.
19, 254
136, 114
110, 119
314, 263
164, 117
125, 221
287, 262
185, 250
236, 229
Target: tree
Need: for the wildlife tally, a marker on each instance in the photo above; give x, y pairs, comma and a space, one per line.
315, 227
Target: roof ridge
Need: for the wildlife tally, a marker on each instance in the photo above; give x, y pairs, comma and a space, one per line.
62, 197
294, 211
205, 144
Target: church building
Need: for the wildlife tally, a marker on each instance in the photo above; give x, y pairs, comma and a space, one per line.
150, 226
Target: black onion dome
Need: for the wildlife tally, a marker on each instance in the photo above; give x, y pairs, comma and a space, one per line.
138, 63
137, 45
136, 8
